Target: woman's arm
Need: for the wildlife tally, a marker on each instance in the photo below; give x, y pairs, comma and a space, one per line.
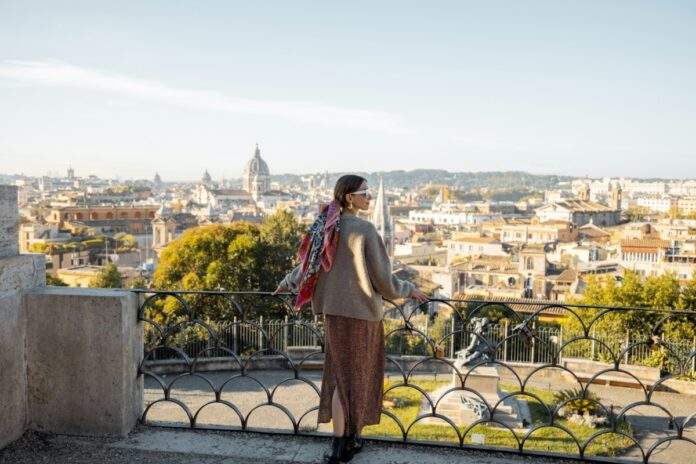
380, 270
291, 281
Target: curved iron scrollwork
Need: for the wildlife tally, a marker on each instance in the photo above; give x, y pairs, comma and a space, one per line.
490, 391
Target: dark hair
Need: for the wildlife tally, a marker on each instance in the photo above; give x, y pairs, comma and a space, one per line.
347, 184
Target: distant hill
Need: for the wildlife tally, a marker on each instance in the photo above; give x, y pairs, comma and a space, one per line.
495, 180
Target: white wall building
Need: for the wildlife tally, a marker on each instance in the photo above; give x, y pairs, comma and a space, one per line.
451, 218
40, 233
473, 246
415, 253
657, 203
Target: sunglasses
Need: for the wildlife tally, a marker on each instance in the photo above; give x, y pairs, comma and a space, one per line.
365, 192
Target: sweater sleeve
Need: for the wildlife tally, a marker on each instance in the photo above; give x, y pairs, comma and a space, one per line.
380, 270
292, 280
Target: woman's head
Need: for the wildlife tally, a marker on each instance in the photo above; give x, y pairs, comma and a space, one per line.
351, 192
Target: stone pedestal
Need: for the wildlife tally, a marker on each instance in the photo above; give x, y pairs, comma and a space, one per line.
464, 407
83, 350
483, 379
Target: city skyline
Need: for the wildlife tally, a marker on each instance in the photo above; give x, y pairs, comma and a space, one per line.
127, 90
196, 177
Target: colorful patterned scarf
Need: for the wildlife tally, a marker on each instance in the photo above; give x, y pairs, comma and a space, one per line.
318, 250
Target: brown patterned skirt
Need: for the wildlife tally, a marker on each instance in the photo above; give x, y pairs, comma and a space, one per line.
354, 364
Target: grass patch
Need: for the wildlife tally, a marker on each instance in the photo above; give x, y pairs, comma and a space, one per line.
404, 402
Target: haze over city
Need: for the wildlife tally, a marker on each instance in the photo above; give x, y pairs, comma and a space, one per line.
131, 88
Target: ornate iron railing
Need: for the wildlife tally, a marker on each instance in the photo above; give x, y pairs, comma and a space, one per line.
206, 373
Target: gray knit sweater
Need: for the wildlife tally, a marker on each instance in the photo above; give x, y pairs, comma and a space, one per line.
360, 276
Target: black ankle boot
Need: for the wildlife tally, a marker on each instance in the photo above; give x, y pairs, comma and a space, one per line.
338, 451
355, 445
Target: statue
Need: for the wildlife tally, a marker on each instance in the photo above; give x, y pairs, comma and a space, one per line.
479, 349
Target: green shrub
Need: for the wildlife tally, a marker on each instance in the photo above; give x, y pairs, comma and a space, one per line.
584, 404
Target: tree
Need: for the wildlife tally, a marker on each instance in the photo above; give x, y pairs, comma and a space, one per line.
656, 292
637, 213
238, 257
107, 277
39, 247
55, 281
675, 212
688, 295
125, 242
136, 282
283, 234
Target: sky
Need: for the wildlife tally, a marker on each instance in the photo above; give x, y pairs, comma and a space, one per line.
129, 88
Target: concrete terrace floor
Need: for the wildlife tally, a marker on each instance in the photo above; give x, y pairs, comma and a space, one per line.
160, 446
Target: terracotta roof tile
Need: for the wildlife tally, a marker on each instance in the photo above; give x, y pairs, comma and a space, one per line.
475, 239
644, 243
519, 305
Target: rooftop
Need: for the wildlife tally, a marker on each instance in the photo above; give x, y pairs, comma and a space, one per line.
644, 243
476, 240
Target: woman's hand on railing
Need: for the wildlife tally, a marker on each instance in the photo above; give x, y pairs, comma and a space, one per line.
420, 296
278, 290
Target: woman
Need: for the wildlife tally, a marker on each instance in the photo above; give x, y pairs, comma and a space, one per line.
345, 271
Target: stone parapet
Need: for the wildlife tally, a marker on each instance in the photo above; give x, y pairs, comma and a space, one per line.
17, 274
68, 356
13, 379
83, 350
21, 272
9, 221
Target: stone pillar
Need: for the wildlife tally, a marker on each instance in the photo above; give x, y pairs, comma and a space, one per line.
17, 273
83, 350
68, 356
9, 222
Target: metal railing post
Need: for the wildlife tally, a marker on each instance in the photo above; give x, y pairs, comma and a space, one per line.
592, 352
628, 343
531, 357
452, 323
316, 326
560, 344
285, 334
235, 336
261, 333
505, 340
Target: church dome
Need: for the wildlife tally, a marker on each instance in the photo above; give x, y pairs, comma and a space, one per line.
256, 166
206, 179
